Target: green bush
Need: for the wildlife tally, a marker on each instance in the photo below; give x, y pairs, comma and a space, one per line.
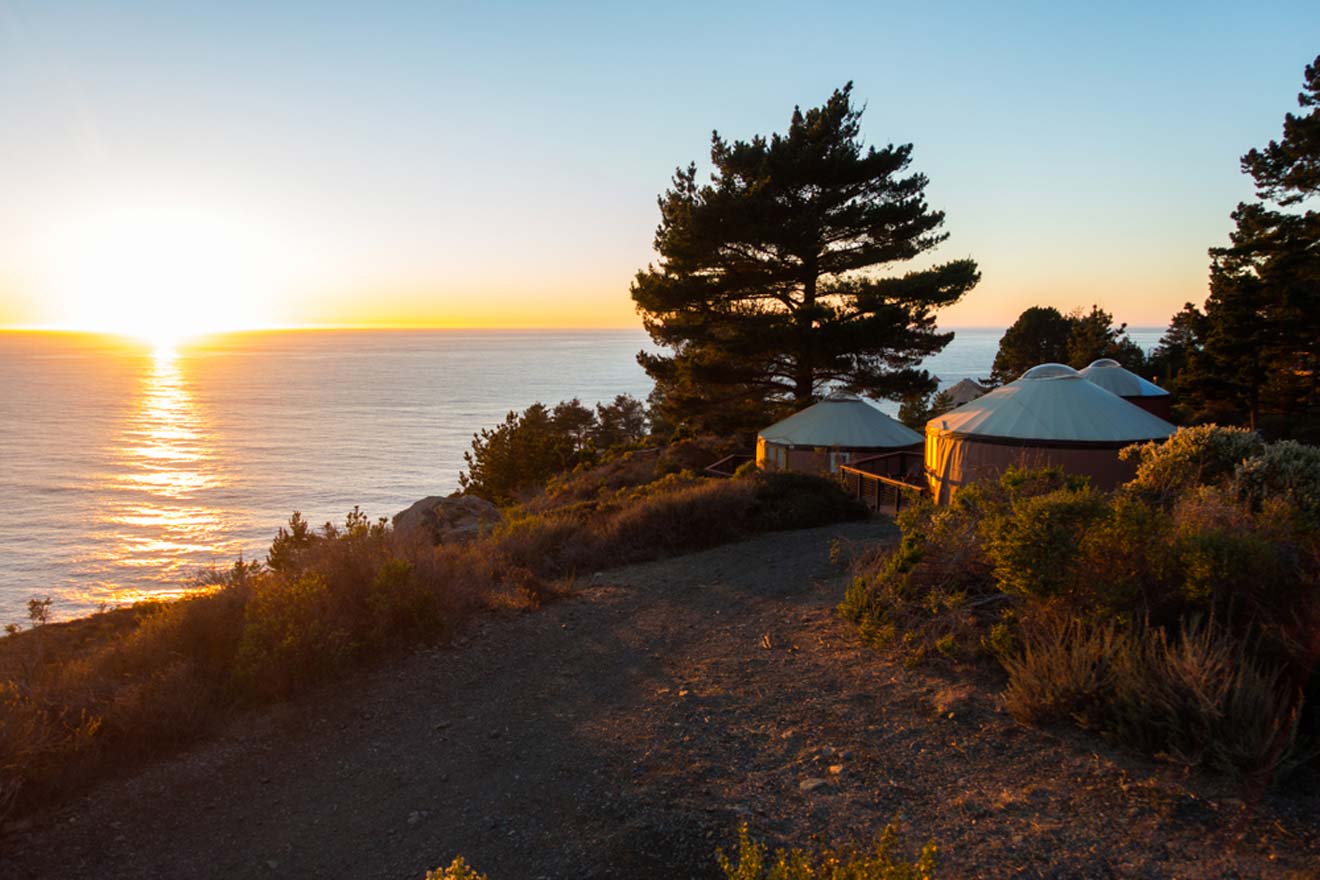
795, 501
1200, 456
290, 634
1034, 546
1287, 471
1095, 604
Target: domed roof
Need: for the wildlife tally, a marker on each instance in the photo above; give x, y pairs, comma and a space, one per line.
841, 419
1110, 375
1049, 371
1052, 402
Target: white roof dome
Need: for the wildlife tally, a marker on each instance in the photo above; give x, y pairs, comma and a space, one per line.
1049, 371
1110, 375
841, 419
1052, 402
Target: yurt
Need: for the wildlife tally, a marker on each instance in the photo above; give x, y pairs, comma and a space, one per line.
1050, 416
834, 431
1111, 376
965, 391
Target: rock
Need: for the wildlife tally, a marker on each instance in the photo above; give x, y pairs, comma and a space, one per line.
836, 769
811, 784
447, 520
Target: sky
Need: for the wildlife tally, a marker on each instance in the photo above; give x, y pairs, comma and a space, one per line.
205, 166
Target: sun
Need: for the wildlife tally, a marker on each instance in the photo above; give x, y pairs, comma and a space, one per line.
160, 273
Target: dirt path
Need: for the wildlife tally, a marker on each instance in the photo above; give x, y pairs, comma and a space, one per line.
627, 731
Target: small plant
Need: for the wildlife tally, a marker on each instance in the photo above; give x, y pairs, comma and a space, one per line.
39, 611
458, 869
881, 861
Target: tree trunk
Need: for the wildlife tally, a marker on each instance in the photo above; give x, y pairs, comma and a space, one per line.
804, 383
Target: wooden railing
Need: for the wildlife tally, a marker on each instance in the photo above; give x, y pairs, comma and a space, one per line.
728, 464
881, 494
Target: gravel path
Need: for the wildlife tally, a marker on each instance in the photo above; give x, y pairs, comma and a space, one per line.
628, 730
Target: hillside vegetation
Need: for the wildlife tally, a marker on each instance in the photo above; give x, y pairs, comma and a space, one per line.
81, 698
1179, 615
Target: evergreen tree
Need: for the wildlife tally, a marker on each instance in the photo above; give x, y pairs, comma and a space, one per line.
768, 288
917, 410
1093, 335
620, 422
1259, 363
1040, 335
517, 457
1179, 344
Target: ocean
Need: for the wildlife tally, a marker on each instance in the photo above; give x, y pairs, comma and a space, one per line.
130, 469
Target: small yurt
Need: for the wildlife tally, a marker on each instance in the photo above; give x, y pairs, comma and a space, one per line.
1050, 416
1114, 378
965, 392
837, 430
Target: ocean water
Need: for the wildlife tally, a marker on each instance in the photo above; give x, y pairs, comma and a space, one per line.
128, 469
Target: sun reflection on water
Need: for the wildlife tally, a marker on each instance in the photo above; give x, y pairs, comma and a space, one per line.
164, 464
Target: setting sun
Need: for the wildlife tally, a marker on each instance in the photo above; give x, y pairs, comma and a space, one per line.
158, 273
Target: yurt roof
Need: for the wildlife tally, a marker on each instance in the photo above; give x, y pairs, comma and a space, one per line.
1052, 402
1110, 375
964, 392
841, 420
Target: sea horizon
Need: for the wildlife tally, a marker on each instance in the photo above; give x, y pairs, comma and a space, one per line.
132, 468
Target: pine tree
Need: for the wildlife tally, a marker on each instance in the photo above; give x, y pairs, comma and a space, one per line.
768, 288
1179, 344
1259, 361
1094, 335
1040, 335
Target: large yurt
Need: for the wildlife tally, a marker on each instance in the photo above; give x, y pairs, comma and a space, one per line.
1110, 375
834, 431
1050, 416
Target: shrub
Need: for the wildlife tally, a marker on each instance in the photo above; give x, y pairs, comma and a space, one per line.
1200, 696
882, 861
1095, 605
1064, 668
1204, 697
797, 501
1286, 471
1200, 456
1034, 546
291, 634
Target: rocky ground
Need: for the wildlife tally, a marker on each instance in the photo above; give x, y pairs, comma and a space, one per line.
628, 730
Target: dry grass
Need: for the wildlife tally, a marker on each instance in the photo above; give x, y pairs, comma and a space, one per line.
1198, 697
78, 700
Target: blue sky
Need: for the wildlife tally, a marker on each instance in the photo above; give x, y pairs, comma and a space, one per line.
479, 164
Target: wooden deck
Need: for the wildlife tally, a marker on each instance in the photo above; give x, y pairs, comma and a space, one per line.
880, 492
